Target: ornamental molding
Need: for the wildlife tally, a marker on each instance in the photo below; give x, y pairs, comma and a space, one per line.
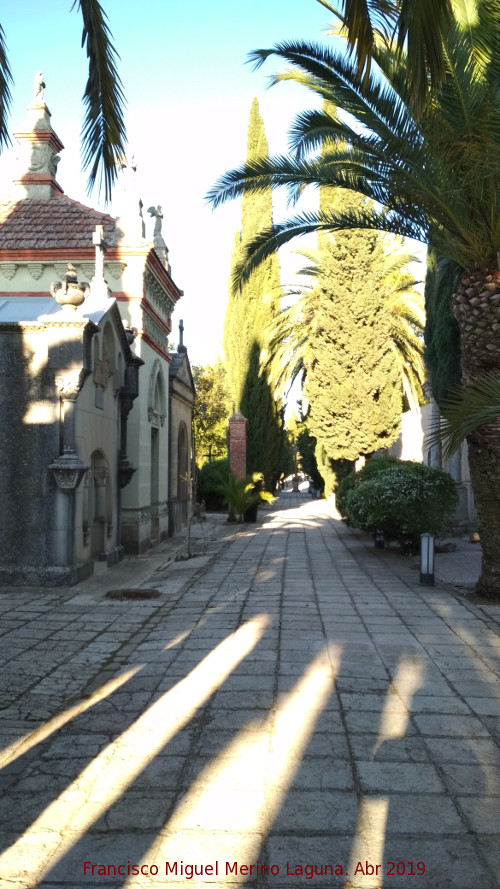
155, 331
68, 470
69, 385
8, 269
35, 269
157, 295
61, 269
88, 270
116, 269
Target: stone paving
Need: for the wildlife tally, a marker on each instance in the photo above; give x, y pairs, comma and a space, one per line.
293, 710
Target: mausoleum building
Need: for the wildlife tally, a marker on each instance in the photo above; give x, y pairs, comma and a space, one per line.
84, 386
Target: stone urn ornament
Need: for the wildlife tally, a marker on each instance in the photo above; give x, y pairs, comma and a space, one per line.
69, 292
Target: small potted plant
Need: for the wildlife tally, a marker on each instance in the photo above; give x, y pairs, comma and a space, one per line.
244, 495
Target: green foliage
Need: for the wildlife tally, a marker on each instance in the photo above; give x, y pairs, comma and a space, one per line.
426, 176
103, 130
419, 25
6, 80
249, 311
353, 384
442, 335
212, 478
286, 457
264, 428
403, 502
211, 412
306, 444
326, 468
432, 177
351, 479
465, 410
242, 494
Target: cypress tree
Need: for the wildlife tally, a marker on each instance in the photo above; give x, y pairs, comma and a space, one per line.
353, 385
248, 314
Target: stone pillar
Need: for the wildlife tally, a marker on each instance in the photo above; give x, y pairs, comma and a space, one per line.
238, 445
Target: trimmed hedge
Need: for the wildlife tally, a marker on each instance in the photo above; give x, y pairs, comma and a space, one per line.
403, 501
350, 481
212, 478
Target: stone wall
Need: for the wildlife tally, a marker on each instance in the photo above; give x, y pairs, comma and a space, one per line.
29, 441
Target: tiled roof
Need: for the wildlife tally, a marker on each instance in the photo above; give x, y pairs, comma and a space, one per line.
58, 223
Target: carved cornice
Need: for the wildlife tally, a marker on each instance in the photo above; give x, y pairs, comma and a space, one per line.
154, 331
157, 295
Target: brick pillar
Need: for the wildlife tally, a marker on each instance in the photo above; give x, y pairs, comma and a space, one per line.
238, 445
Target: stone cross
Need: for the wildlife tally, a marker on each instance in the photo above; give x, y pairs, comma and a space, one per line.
100, 249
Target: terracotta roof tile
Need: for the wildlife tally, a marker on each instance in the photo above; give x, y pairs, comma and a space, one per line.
54, 224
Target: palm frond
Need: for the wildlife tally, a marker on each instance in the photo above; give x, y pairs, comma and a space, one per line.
422, 31
6, 82
103, 131
465, 410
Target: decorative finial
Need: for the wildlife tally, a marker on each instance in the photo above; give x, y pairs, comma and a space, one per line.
69, 293
181, 347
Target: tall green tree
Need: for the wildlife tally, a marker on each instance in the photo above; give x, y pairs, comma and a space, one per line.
103, 128
249, 311
290, 348
433, 178
211, 412
353, 382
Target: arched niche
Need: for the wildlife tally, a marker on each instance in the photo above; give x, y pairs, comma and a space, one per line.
99, 507
109, 351
157, 398
183, 485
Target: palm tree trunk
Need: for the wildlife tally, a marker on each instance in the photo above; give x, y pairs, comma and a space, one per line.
476, 306
484, 464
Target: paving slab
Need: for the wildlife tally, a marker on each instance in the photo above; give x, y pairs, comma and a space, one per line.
293, 709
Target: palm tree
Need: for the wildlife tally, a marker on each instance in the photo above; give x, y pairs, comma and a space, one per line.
433, 178
103, 129
464, 411
418, 26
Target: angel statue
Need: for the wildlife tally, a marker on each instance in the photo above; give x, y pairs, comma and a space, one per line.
156, 212
38, 88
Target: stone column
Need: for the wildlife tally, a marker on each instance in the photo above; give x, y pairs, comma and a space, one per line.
238, 445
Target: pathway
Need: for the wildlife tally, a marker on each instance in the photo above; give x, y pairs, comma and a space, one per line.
293, 710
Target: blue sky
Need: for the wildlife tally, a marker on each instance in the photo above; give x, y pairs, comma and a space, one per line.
189, 90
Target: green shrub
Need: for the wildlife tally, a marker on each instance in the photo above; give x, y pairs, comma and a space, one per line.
242, 494
212, 479
403, 502
348, 482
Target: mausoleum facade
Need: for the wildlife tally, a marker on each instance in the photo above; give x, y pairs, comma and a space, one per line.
84, 389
